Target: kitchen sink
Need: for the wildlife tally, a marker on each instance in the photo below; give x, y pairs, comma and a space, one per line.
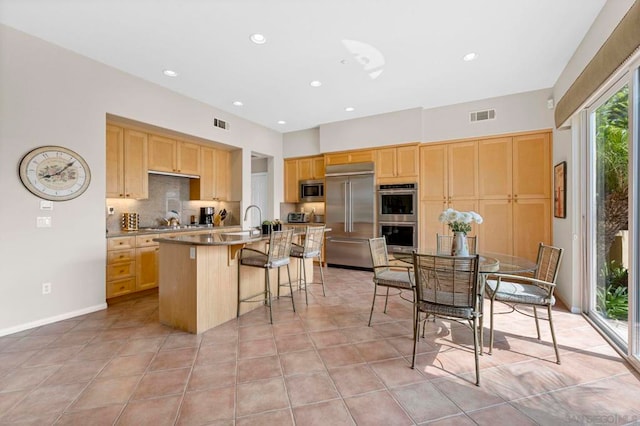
247, 232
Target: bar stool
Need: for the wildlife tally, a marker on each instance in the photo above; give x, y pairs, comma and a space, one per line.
277, 256
312, 248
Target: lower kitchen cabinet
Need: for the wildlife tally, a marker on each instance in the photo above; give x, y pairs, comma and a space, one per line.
147, 252
132, 264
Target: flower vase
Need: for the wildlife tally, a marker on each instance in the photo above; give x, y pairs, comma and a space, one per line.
459, 246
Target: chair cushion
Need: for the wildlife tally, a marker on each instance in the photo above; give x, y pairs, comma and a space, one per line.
254, 260
519, 293
398, 279
298, 251
446, 310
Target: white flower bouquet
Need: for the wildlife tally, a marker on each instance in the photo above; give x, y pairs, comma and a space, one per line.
459, 221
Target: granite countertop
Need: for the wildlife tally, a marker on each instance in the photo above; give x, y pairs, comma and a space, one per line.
214, 239
166, 230
222, 238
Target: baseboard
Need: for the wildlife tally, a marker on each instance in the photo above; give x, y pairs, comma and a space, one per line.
45, 321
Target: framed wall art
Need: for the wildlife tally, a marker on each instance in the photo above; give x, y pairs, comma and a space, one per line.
560, 190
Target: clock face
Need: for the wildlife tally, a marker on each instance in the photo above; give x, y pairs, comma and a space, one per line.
54, 173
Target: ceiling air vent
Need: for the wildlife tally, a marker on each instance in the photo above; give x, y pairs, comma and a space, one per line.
220, 124
488, 114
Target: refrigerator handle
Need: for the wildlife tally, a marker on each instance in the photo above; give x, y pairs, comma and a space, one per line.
346, 208
350, 209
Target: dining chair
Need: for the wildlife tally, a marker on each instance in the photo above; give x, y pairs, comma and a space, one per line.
444, 243
536, 291
276, 257
385, 275
311, 248
447, 286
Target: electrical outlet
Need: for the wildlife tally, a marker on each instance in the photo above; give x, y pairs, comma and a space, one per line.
46, 288
111, 210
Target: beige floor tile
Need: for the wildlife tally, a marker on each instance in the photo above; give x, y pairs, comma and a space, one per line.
377, 408
355, 380
301, 362
259, 396
204, 407
310, 388
330, 413
212, 376
250, 369
157, 412
103, 392
103, 416
162, 383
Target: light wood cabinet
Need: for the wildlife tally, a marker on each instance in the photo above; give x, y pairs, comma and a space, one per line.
448, 179
397, 165
121, 266
214, 176
126, 163
362, 156
147, 267
297, 169
505, 179
171, 156
514, 191
310, 168
518, 167
291, 192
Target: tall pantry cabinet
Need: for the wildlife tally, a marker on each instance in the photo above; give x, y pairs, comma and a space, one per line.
507, 180
515, 194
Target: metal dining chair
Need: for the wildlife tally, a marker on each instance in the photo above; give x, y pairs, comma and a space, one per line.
400, 277
277, 256
444, 243
535, 291
310, 249
447, 286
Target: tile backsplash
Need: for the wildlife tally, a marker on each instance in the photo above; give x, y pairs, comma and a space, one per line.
166, 193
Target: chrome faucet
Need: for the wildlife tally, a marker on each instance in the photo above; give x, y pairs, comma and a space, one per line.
246, 213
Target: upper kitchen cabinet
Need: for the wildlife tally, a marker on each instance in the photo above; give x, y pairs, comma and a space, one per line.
311, 168
449, 172
348, 157
171, 156
532, 166
214, 176
397, 165
126, 163
515, 167
297, 169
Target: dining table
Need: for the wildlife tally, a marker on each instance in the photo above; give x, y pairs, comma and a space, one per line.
489, 263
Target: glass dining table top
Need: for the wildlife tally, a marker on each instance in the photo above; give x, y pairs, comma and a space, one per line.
489, 262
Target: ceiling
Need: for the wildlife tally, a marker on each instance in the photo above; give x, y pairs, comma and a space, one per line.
375, 56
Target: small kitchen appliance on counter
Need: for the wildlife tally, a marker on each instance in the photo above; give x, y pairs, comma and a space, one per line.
130, 221
206, 215
297, 218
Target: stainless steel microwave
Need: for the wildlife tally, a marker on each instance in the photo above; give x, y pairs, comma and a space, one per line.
311, 191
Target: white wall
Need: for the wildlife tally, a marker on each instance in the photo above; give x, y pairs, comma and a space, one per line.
514, 113
51, 96
567, 233
376, 130
301, 143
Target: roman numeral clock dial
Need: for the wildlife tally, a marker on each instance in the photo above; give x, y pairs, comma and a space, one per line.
54, 173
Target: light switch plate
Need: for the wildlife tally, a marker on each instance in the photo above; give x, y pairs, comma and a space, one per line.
46, 205
43, 222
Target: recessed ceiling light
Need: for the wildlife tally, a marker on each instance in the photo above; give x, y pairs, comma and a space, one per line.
258, 38
470, 56
237, 103
349, 109
170, 73
282, 122
316, 83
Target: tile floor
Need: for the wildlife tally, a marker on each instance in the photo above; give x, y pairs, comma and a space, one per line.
319, 366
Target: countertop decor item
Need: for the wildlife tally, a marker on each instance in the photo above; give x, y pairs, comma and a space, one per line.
460, 224
54, 173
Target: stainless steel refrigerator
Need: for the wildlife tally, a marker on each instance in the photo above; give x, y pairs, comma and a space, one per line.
349, 209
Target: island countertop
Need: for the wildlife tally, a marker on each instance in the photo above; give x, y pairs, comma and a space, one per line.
224, 238
214, 239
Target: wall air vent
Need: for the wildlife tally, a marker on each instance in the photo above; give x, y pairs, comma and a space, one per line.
220, 124
488, 114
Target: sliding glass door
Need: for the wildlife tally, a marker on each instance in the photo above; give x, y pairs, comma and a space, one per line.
612, 225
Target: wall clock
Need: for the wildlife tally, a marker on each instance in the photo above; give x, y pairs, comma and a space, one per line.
54, 173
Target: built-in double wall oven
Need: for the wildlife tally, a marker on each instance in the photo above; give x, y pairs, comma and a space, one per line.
398, 216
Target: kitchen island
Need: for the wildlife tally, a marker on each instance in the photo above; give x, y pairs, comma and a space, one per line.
199, 278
